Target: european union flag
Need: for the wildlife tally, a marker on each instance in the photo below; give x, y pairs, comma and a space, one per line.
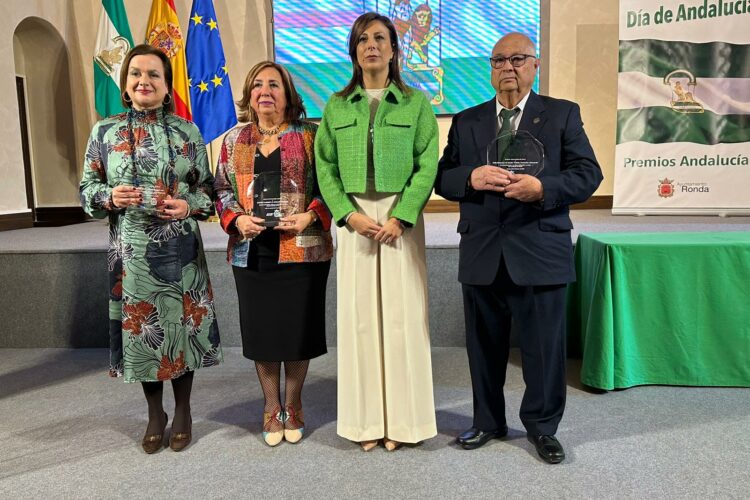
210, 92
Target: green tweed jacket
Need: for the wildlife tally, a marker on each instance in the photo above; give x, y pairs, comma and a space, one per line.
405, 151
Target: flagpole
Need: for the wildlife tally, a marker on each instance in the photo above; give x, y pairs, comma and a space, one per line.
210, 153
212, 166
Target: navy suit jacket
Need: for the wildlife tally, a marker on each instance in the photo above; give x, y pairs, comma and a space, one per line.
534, 238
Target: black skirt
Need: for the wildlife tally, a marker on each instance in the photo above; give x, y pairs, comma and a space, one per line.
282, 310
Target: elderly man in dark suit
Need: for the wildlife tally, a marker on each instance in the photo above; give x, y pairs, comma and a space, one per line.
516, 251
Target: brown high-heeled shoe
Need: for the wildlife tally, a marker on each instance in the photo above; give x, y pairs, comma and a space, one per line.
153, 442
180, 440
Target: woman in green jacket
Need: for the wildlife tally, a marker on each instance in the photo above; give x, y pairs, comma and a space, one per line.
376, 153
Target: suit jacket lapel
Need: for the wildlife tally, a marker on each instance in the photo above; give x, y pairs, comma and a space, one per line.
533, 115
484, 128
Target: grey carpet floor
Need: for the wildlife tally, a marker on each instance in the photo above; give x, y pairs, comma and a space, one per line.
68, 431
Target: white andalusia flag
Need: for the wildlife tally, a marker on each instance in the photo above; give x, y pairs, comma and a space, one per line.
113, 41
682, 91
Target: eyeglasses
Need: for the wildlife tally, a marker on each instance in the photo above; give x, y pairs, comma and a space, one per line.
516, 60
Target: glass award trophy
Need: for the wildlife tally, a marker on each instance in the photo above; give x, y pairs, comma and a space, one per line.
270, 203
153, 198
518, 152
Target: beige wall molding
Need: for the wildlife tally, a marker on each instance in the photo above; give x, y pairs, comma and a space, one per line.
439, 205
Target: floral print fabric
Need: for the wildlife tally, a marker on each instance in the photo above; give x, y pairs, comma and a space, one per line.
161, 310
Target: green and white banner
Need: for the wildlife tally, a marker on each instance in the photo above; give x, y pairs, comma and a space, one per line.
683, 109
113, 41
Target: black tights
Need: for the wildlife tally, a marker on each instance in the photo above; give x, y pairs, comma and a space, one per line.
269, 374
181, 386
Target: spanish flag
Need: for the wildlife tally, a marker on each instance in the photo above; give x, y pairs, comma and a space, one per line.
163, 32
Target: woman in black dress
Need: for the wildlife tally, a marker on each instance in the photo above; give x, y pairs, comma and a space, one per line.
280, 260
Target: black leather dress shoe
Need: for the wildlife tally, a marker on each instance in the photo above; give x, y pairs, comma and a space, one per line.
548, 447
474, 438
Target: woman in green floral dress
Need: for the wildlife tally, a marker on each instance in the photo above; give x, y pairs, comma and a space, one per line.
147, 171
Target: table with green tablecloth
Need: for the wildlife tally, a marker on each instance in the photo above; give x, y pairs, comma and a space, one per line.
661, 308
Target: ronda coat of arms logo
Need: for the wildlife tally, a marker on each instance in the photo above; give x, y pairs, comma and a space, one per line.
666, 188
167, 38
